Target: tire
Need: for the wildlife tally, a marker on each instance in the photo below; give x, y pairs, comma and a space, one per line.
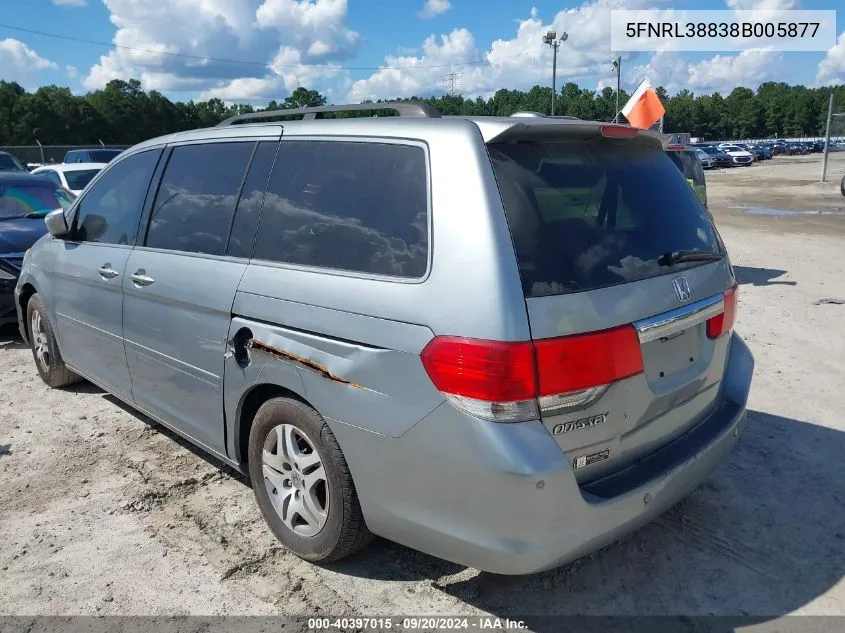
842, 186
284, 436
45, 349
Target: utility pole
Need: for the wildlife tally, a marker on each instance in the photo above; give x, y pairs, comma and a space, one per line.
552, 40
827, 136
617, 65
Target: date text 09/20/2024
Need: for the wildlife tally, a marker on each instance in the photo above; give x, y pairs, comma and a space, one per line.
416, 623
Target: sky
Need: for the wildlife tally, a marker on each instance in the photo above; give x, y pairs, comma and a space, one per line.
251, 51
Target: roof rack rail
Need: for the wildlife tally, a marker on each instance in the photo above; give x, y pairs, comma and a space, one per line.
527, 114
402, 108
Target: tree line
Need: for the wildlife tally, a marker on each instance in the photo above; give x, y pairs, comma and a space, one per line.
123, 113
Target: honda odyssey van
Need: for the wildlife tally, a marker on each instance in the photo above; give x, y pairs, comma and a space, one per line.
503, 341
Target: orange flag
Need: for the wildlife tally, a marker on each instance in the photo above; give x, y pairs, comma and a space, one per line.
644, 108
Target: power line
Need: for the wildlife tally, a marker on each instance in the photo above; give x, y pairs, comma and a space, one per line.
223, 60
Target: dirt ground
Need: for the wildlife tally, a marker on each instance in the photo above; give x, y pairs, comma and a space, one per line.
104, 512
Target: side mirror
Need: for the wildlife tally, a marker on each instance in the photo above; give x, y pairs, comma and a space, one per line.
57, 223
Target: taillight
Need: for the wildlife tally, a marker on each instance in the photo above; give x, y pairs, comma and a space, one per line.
492, 380
511, 382
724, 322
573, 370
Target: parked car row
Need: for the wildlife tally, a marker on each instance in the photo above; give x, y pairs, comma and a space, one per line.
72, 176
300, 305
102, 156
717, 157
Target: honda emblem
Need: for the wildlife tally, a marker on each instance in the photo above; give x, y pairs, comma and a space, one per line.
682, 290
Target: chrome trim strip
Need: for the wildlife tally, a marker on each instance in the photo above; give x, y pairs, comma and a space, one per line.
675, 321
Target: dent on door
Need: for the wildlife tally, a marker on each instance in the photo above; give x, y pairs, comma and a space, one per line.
377, 389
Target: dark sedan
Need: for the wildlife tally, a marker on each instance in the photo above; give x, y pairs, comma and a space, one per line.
717, 156
24, 201
762, 151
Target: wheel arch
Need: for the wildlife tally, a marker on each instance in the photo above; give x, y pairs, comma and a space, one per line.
248, 406
27, 292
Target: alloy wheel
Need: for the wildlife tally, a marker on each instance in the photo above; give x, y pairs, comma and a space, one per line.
295, 479
39, 341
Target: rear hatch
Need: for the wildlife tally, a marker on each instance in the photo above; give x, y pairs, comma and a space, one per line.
629, 292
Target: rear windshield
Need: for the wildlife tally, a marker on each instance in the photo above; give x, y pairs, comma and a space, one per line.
591, 215
80, 178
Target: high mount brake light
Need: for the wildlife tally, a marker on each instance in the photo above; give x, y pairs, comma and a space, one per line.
618, 131
516, 381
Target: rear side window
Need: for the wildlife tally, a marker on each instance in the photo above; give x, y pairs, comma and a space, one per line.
196, 198
591, 215
242, 238
352, 206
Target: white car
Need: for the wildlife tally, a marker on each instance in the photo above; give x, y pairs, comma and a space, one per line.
72, 176
704, 159
738, 155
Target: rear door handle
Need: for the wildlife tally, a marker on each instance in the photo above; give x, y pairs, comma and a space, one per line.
107, 272
141, 278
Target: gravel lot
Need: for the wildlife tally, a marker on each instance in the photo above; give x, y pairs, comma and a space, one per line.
104, 512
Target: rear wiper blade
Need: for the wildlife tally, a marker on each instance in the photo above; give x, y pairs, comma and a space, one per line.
679, 257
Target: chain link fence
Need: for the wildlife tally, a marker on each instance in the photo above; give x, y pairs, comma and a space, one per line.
48, 154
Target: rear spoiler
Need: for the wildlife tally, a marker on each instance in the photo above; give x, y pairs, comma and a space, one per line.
543, 129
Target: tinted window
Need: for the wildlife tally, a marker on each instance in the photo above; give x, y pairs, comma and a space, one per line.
79, 179
20, 199
690, 166
101, 155
590, 215
347, 205
110, 210
196, 198
10, 163
242, 237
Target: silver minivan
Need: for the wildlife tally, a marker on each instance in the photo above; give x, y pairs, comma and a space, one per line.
504, 341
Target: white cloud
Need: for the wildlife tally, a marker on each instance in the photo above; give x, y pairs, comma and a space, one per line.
284, 77
433, 8
72, 72
70, 3
20, 63
261, 32
761, 5
519, 62
721, 73
832, 67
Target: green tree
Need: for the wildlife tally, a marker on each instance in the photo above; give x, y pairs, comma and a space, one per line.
304, 98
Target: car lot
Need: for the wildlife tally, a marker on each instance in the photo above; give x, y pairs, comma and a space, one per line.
96, 497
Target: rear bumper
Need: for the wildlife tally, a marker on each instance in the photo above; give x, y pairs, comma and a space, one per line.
504, 499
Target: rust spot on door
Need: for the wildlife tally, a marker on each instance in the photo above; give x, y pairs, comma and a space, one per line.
307, 362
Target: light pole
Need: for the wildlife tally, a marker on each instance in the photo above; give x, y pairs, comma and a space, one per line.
617, 66
552, 40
